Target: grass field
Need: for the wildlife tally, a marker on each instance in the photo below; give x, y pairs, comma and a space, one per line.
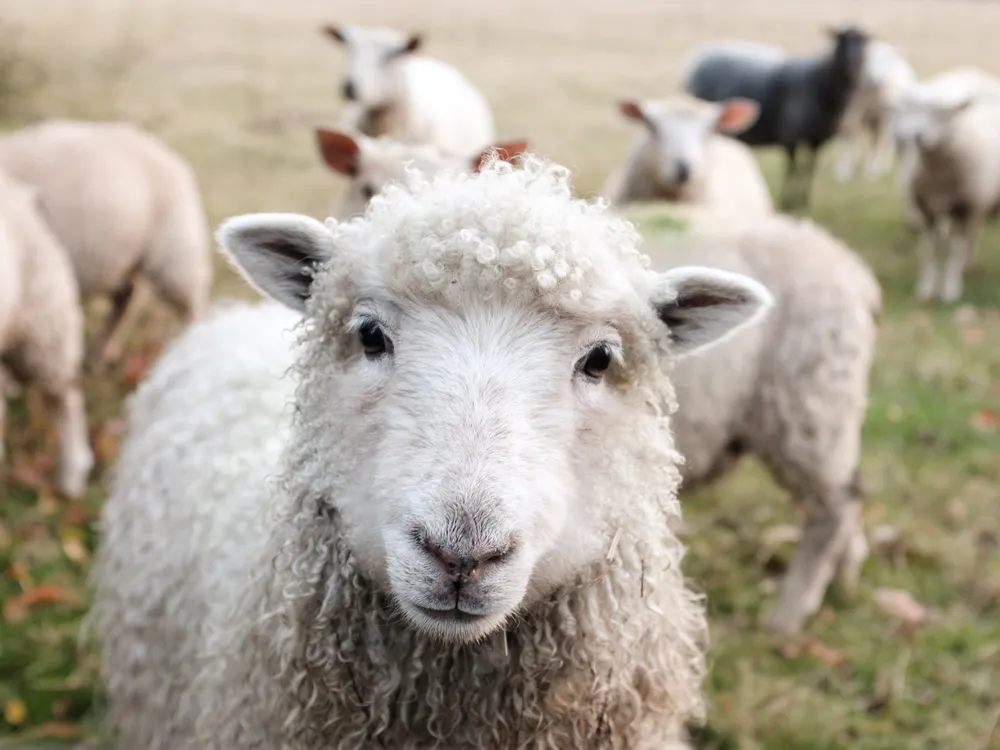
235, 86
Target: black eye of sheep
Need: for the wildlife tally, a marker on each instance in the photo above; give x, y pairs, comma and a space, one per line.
367, 192
372, 339
597, 362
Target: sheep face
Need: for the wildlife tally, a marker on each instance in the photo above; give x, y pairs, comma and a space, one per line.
472, 419
680, 130
848, 57
927, 122
373, 163
373, 62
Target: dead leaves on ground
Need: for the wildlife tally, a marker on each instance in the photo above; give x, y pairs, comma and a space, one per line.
16, 608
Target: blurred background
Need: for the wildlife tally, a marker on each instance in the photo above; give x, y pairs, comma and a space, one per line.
237, 86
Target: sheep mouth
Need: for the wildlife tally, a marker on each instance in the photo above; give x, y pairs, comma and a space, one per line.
453, 615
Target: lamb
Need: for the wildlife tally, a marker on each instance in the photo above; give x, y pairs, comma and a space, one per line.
124, 206
411, 98
41, 327
867, 122
791, 391
372, 163
951, 176
468, 544
802, 100
682, 157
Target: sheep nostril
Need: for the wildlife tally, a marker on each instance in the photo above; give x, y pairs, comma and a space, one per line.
350, 94
683, 172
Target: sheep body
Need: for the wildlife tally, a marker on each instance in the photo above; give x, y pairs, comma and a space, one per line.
682, 156
41, 326
867, 122
801, 100
951, 174
123, 205
271, 617
409, 97
791, 391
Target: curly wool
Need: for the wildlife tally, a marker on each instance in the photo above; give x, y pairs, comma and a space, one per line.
302, 649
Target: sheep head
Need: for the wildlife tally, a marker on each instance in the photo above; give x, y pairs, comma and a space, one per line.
679, 130
484, 383
373, 56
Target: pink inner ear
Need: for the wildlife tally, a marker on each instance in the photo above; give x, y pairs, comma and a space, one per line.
505, 151
631, 109
339, 151
737, 115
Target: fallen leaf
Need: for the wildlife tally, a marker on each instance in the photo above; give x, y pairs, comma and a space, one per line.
826, 654
901, 605
54, 730
14, 711
28, 476
71, 539
15, 609
135, 367
77, 515
985, 421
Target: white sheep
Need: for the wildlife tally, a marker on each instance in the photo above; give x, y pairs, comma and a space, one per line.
951, 170
683, 155
791, 390
469, 544
41, 327
124, 206
414, 99
372, 163
865, 132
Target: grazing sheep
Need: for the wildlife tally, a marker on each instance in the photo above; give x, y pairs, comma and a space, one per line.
410, 98
124, 206
792, 390
866, 127
801, 100
951, 127
469, 543
41, 327
681, 157
372, 163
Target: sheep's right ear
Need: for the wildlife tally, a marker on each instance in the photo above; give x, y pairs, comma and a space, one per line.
278, 254
336, 33
339, 150
504, 151
703, 306
632, 109
737, 115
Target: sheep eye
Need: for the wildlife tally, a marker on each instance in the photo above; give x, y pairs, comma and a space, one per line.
596, 363
367, 192
372, 339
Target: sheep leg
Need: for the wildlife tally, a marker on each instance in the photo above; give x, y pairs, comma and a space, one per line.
933, 244
847, 156
883, 146
831, 525
109, 344
959, 251
75, 456
790, 174
808, 172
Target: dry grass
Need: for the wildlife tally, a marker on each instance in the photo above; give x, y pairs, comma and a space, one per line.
235, 84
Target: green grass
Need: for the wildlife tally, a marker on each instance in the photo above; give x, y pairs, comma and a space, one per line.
931, 462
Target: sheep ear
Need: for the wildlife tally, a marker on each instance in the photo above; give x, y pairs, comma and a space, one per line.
703, 306
336, 33
632, 109
412, 44
737, 115
278, 254
504, 152
339, 150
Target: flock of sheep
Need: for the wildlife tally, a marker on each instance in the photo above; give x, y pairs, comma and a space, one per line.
425, 495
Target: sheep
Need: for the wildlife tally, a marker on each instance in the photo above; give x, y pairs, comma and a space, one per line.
478, 397
124, 206
681, 156
802, 100
411, 98
791, 391
951, 176
867, 122
41, 328
372, 163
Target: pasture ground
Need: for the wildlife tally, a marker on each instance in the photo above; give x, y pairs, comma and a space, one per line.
235, 86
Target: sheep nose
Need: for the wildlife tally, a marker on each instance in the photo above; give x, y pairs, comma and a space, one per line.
463, 567
349, 93
683, 172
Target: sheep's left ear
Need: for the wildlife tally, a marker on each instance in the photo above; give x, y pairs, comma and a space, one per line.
736, 115
412, 44
277, 253
703, 306
505, 152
